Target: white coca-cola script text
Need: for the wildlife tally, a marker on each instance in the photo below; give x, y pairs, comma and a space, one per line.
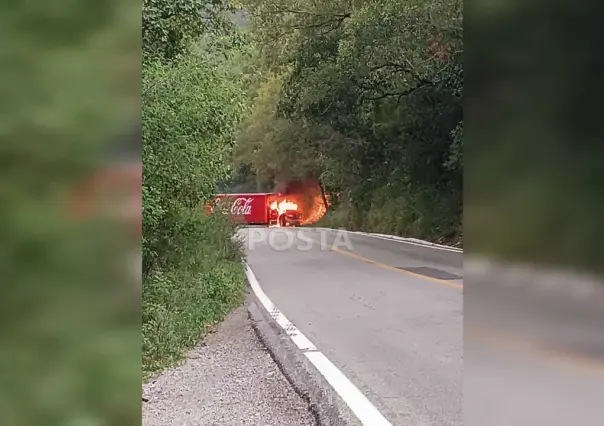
240, 206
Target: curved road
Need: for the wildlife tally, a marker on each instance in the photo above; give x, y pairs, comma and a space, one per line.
387, 314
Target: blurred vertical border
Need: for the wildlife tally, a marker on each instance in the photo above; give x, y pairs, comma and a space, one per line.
533, 213
534, 153
70, 351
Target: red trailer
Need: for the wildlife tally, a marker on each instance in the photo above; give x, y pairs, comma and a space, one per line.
252, 208
259, 208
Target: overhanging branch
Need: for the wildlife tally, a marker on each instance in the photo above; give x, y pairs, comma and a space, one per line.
399, 95
311, 13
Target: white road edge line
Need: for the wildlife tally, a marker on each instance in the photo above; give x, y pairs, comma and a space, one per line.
403, 240
365, 411
296, 335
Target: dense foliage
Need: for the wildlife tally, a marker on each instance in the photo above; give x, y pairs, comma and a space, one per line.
192, 102
367, 97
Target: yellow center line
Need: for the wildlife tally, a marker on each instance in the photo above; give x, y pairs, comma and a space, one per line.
390, 267
502, 340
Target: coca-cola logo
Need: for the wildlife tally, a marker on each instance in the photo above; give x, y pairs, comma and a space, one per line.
241, 206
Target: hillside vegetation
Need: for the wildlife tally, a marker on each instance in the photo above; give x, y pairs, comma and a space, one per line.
192, 101
366, 97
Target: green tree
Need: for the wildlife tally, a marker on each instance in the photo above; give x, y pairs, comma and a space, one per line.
189, 117
369, 101
193, 99
170, 27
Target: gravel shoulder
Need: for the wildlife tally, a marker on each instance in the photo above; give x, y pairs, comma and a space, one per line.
230, 379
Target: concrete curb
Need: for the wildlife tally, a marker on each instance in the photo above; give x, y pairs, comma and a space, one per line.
327, 407
413, 240
396, 238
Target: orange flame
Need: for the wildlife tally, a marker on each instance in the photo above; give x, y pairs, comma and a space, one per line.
306, 197
320, 211
283, 206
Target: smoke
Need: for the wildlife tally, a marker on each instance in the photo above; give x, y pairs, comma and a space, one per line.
307, 194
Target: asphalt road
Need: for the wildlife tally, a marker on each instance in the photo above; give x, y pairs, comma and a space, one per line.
387, 314
534, 355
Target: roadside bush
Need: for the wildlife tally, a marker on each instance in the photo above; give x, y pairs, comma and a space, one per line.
180, 304
425, 214
192, 270
189, 113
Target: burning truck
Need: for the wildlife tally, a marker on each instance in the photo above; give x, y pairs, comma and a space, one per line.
303, 207
258, 209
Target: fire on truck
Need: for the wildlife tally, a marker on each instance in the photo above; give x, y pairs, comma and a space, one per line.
268, 208
257, 208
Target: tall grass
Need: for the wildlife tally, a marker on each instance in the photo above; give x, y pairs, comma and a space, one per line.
181, 304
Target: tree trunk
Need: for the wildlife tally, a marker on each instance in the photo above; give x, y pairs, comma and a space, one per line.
323, 194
